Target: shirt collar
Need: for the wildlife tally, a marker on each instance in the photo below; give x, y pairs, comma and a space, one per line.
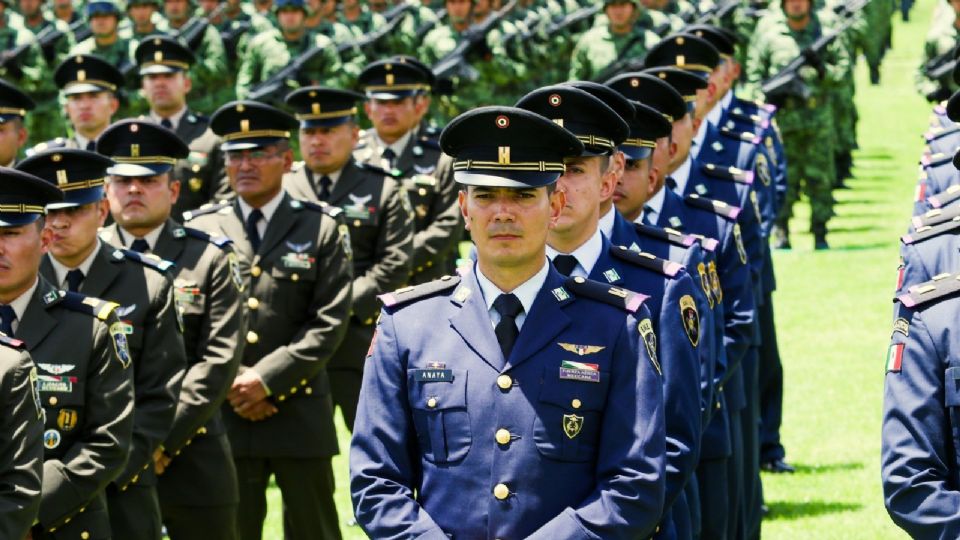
81, 140
151, 237
333, 176
607, 221
526, 292
682, 175
61, 270
586, 255
267, 209
656, 206
697, 143
174, 119
715, 113
20, 304
727, 99
398, 146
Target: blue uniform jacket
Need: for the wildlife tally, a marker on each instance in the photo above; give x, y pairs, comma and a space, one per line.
925, 258
920, 455
579, 458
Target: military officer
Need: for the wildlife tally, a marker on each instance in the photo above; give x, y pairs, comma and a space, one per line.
294, 258
374, 205
81, 356
79, 261
198, 483
397, 99
576, 247
166, 82
90, 86
145, 20
14, 106
22, 447
327, 68
46, 121
106, 42
507, 364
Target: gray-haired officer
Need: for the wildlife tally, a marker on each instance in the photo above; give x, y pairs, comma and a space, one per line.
374, 205
398, 96
487, 405
294, 261
79, 261
197, 482
80, 351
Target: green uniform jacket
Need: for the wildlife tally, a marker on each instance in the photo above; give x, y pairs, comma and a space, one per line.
21, 439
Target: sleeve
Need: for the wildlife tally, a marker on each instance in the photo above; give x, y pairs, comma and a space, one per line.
580, 67
157, 374
628, 500
211, 69
757, 64
739, 303
384, 466
438, 239
315, 342
100, 454
918, 456
394, 245
219, 349
21, 447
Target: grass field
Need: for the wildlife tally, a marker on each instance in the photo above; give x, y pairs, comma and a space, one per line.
833, 317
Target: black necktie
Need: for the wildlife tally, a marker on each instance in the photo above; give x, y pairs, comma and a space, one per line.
670, 182
140, 246
92, 146
166, 123
389, 155
508, 306
325, 183
252, 232
7, 316
648, 215
74, 279
565, 264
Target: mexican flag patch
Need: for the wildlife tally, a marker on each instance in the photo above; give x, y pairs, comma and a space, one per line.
894, 357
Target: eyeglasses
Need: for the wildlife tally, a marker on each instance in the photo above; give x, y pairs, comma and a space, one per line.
256, 157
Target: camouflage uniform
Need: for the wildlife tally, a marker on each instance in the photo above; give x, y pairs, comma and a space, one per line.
209, 73
878, 13
27, 72
599, 47
806, 125
941, 39
46, 121
264, 55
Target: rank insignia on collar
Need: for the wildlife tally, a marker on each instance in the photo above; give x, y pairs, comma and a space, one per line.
611, 275
717, 146
51, 297
461, 294
560, 294
572, 424
581, 350
691, 319
675, 222
179, 233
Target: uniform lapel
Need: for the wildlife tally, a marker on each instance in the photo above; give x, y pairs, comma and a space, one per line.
281, 222
472, 321
168, 247
233, 229
349, 179
102, 273
544, 322
299, 184
36, 323
604, 269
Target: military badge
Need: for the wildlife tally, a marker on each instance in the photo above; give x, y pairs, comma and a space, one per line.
35, 390
705, 282
738, 238
302, 261
560, 294
691, 319
345, 240
650, 340
119, 336
756, 205
56, 383
123, 311
768, 142
579, 371
715, 282
895, 357
611, 275
299, 248
762, 168
235, 274
51, 439
581, 350
902, 325
67, 419
421, 210
195, 184
56, 369
572, 424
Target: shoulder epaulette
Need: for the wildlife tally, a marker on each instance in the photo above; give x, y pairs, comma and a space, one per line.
208, 208
219, 241
745, 136
935, 160
732, 174
150, 261
717, 207
11, 342
82, 303
328, 209
707, 243
59, 142
936, 216
429, 142
669, 235
393, 173
940, 286
755, 106
754, 119
406, 295
927, 232
942, 199
646, 260
608, 294
939, 132
940, 108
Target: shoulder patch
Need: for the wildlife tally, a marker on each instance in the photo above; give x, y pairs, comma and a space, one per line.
392, 173
81, 303
646, 260
745, 136
220, 241
754, 119
952, 194
429, 142
11, 342
413, 293
204, 210
150, 261
711, 205
608, 294
927, 232
940, 286
669, 235
328, 209
731, 174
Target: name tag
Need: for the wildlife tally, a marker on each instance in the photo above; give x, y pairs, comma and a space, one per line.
433, 375
297, 260
579, 371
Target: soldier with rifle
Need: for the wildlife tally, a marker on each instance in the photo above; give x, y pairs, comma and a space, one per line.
55, 40
210, 70
106, 42
627, 36
933, 78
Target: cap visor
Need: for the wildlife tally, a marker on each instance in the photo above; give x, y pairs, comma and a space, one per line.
84, 88
248, 144
16, 220
636, 152
78, 197
518, 180
158, 69
391, 95
139, 169
325, 122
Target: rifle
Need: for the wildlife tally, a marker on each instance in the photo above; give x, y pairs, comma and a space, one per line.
515, 42
191, 33
574, 19
273, 89
80, 30
717, 12
231, 37
455, 63
369, 41
787, 82
622, 64
10, 58
939, 66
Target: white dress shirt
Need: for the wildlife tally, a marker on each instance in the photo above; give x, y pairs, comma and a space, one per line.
526, 292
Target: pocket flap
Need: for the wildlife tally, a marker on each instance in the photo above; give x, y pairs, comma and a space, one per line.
432, 395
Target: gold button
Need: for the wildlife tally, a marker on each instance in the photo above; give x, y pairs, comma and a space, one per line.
501, 492
252, 337
356, 223
195, 168
293, 389
53, 400
202, 431
135, 478
575, 403
282, 398
369, 321
432, 402
503, 436
67, 521
504, 382
295, 277
253, 303
429, 264
422, 191
84, 535
309, 391
303, 382
255, 271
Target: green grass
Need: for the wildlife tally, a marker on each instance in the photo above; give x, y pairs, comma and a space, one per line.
834, 320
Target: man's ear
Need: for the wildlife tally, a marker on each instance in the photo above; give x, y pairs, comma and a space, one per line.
462, 201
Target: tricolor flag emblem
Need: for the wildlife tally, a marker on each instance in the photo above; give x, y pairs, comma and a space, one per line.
895, 357
579, 371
